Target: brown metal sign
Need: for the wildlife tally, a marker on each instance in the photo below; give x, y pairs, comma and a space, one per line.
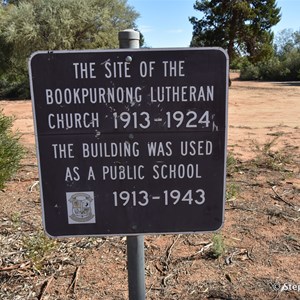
131, 141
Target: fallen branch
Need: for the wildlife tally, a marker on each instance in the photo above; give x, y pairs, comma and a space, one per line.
204, 248
74, 280
170, 248
243, 253
280, 198
45, 288
29, 165
15, 267
242, 208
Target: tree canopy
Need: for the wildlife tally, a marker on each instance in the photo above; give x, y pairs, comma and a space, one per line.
283, 66
31, 25
286, 41
68, 24
240, 26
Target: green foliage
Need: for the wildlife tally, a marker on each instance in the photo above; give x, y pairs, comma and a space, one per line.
232, 191
16, 219
238, 62
218, 246
287, 41
274, 160
231, 164
271, 70
14, 87
291, 62
4, 54
56, 25
284, 66
249, 72
69, 24
241, 27
11, 151
37, 247
286, 69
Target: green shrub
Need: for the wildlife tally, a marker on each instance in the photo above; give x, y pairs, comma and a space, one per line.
237, 62
272, 69
249, 72
232, 191
283, 68
218, 246
292, 63
231, 164
270, 159
14, 90
11, 151
37, 246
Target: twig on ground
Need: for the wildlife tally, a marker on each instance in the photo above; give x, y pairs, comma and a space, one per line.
280, 198
249, 254
166, 278
45, 288
204, 248
74, 280
32, 186
242, 208
29, 165
243, 253
170, 248
25, 265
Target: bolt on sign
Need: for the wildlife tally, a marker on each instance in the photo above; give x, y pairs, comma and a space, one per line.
131, 141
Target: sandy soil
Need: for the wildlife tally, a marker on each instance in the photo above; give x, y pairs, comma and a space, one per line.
261, 254
255, 110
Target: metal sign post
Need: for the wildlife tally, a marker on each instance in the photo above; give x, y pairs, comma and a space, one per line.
131, 142
135, 244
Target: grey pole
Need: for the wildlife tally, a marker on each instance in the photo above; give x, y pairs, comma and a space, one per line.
136, 267
130, 38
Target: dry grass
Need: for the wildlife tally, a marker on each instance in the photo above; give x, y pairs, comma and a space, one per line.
258, 247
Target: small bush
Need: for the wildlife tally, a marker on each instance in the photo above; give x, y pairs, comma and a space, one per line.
273, 69
271, 159
232, 191
231, 164
237, 62
37, 247
292, 63
11, 151
218, 247
249, 72
10, 89
283, 68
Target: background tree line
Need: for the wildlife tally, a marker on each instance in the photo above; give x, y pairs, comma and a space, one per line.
30, 25
243, 27
283, 65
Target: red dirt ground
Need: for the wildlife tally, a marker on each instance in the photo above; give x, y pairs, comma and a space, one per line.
261, 239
